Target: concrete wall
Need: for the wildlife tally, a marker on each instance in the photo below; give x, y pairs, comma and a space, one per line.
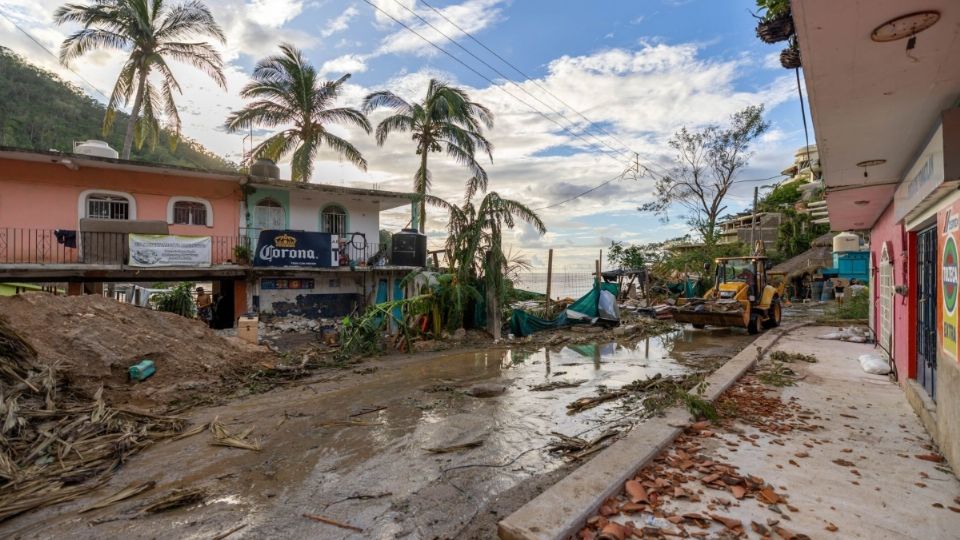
888, 231
36, 195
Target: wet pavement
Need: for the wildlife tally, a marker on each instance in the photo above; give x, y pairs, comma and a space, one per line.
351, 448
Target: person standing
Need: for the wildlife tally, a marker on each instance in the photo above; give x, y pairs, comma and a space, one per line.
204, 306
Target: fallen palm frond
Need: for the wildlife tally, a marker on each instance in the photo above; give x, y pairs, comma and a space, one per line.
195, 430
55, 445
455, 447
175, 499
222, 437
362, 335
130, 491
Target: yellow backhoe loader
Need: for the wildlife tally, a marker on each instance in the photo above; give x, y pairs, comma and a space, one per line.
742, 297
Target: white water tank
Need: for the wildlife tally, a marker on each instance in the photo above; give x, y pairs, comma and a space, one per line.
96, 148
846, 241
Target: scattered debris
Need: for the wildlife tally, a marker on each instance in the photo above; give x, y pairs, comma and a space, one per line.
555, 385
784, 356
130, 491
329, 521
56, 445
222, 437
455, 448
578, 448
177, 498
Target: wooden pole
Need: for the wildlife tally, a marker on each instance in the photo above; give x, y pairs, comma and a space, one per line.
753, 220
549, 276
598, 271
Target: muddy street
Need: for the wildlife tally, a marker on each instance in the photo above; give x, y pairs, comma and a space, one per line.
352, 446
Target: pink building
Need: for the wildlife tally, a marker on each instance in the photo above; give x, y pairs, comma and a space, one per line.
883, 82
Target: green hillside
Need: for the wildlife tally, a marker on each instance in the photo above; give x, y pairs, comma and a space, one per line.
40, 111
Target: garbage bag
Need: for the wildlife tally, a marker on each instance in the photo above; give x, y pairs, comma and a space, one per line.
874, 363
607, 308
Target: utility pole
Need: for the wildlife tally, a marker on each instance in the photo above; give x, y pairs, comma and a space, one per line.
753, 219
549, 277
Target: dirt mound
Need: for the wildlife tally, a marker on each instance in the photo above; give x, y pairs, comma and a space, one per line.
92, 340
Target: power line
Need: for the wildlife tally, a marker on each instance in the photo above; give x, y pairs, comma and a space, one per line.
90, 84
484, 77
44, 47
528, 78
591, 190
500, 73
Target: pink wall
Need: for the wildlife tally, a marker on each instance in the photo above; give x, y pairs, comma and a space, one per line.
37, 195
887, 230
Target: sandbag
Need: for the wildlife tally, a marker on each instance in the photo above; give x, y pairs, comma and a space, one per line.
874, 363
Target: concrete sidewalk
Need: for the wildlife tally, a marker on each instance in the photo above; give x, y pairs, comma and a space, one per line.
834, 456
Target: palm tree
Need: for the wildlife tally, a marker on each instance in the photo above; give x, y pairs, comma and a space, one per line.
288, 92
152, 32
475, 247
446, 120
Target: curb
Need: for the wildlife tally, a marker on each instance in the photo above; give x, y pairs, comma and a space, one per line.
559, 512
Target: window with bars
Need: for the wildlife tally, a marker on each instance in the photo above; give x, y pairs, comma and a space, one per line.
269, 214
333, 220
189, 213
108, 207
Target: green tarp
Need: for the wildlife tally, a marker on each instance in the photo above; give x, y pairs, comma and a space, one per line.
524, 324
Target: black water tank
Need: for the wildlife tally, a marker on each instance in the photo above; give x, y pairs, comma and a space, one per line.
409, 248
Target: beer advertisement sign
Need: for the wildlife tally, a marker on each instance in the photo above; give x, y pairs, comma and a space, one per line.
949, 224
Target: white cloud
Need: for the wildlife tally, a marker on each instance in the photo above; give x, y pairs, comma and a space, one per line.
339, 23
348, 63
398, 9
273, 13
472, 16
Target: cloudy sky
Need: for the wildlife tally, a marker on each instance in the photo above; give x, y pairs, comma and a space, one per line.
636, 70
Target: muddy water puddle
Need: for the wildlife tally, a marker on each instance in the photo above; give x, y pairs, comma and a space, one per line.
355, 450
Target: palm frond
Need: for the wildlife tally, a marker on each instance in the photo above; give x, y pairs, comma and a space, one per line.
386, 99
395, 123
345, 150
345, 115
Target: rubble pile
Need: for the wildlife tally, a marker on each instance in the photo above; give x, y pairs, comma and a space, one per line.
56, 445
92, 341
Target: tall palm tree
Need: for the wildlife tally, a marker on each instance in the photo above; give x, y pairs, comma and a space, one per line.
152, 31
288, 92
446, 120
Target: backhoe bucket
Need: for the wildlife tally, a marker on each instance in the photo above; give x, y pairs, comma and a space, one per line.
713, 313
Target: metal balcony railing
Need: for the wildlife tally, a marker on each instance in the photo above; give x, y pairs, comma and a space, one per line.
47, 246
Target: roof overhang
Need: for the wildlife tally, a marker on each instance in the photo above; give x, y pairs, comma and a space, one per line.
386, 200
874, 101
75, 161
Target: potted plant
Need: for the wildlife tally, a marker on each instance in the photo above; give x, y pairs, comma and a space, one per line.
776, 23
790, 57
241, 252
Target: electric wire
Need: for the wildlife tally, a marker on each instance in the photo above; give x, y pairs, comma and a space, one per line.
524, 75
484, 77
90, 84
44, 47
619, 152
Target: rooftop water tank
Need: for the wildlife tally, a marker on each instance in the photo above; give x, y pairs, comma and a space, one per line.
93, 147
846, 241
265, 168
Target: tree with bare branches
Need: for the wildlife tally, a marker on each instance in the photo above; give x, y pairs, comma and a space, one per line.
707, 162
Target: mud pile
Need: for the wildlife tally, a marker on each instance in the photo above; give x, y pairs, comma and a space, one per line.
92, 340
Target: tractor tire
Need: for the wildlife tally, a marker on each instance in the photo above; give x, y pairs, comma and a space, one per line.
698, 326
753, 327
775, 314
